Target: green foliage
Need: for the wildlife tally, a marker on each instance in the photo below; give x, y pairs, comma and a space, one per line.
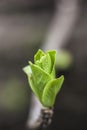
41, 77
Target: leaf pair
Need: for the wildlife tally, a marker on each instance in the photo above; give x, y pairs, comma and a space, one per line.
41, 77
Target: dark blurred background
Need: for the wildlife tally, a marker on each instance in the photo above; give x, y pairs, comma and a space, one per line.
23, 28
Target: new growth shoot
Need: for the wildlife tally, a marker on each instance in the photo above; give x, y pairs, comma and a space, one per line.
41, 77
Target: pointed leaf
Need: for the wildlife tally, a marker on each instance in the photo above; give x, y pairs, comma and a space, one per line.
52, 54
38, 55
27, 70
45, 63
38, 80
51, 90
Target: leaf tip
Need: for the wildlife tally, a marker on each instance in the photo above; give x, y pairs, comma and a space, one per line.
27, 70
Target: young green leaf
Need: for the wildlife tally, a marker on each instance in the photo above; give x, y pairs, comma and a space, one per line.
46, 61
51, 90
38, 55
27, 70
38, 80
52, 54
